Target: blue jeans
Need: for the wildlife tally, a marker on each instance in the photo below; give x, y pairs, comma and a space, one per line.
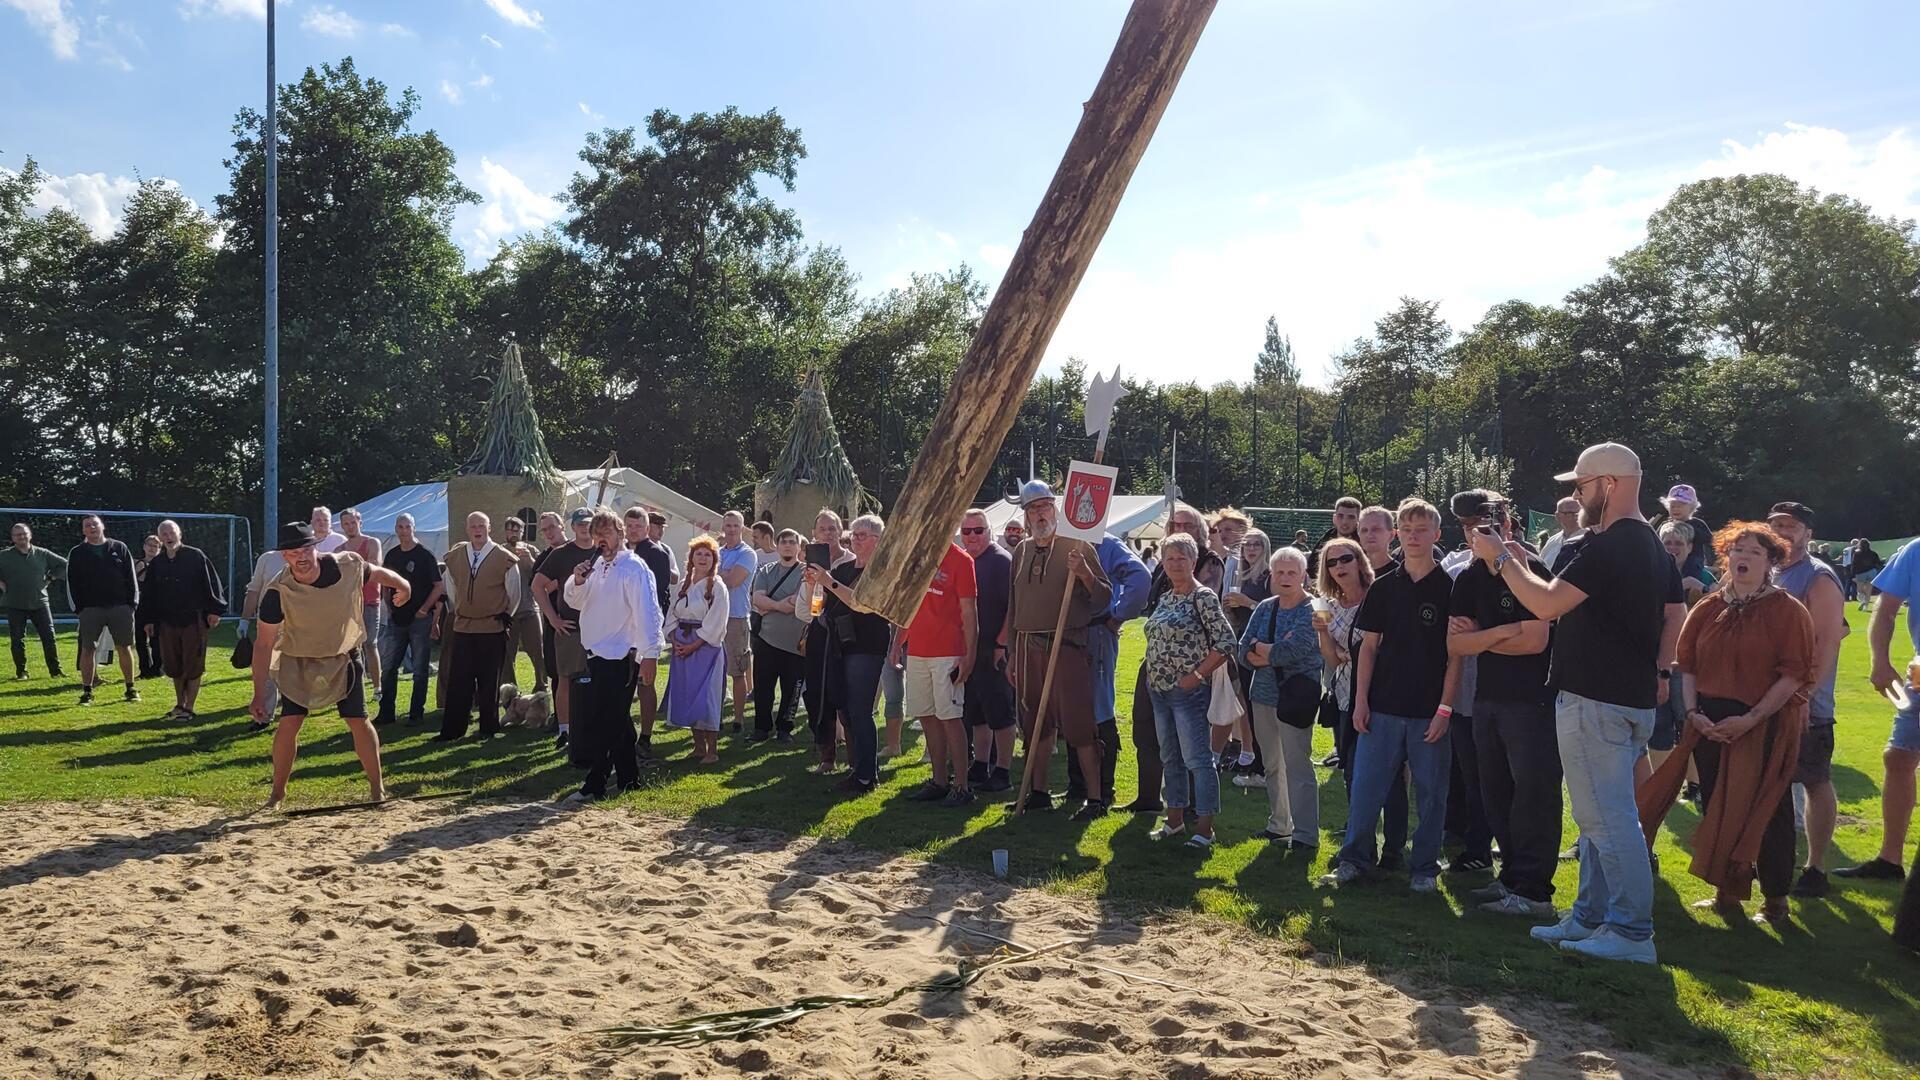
1389, 744
396, 641
1599, 744
859, 683
1103, 656
1186, 753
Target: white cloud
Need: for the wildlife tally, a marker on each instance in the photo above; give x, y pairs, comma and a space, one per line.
485, 80
253, 8
394, 29
511, 11
450, 92
491, 40
331, 22
587, 111
508, 207
995, 257
50, 19
97, 199
1330, 262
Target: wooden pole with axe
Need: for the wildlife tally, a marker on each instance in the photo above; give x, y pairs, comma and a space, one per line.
1101, 397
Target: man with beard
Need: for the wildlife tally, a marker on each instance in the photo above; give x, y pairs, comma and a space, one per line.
311, 630
182, 602
523, 634
484, 582
620, 623
1045, 567
1817, 586
1346, 522
644, 531
1146, 737
1618, 607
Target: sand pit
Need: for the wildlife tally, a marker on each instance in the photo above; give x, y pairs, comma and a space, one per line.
439, 940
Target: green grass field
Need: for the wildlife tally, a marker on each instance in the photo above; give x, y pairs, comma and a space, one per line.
1831, 997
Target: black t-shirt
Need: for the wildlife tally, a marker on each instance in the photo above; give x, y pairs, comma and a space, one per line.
421, 568
1487, 600
659, 560
1608, 648
1410, 668
872, 634
270, 611
558, 564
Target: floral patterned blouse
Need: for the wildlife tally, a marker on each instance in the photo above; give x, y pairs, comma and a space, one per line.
1181, 631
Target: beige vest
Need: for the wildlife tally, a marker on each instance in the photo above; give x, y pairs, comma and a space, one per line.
318, 628
482, 596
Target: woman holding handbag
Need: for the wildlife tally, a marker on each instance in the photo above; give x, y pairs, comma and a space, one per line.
1281, 647
1188, 639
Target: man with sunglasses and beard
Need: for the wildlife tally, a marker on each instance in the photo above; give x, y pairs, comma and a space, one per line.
988, 716
310, 632
1618, 607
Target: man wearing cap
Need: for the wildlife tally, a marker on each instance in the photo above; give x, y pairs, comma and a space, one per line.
1683, 506
484, 582
1898, 583
1047, 566
1816, 586
569, 655
311, 630
1619, 608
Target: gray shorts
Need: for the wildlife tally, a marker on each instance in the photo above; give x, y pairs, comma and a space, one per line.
117, 621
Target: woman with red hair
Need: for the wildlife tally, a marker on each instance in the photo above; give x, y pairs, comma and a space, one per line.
698, 635
1745, 660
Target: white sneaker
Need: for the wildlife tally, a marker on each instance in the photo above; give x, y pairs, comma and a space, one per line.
1423, 883
1258, 780
1343, 874
1567, 929
1605, 944
1515, 904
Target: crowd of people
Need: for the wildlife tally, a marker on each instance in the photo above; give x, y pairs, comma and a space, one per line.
1616, 667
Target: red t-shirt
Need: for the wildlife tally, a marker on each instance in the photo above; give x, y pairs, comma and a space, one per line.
935, 630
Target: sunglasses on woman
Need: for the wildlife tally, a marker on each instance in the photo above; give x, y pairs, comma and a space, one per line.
1341, 560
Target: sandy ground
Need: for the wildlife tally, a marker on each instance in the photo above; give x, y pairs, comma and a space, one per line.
436, 940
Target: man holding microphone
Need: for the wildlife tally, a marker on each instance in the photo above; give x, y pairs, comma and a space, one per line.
620, 632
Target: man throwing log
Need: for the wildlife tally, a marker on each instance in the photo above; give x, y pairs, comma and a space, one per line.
312, 627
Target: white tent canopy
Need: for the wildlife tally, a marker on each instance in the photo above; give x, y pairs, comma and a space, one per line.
1133, 518
427, 503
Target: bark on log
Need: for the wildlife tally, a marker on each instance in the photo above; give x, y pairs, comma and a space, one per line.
1115, 126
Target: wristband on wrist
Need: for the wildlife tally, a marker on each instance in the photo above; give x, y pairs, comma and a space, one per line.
1444, 710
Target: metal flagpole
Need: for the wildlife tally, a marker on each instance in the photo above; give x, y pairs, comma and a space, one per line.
271, 382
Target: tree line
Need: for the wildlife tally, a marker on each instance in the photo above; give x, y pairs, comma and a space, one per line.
1762, 342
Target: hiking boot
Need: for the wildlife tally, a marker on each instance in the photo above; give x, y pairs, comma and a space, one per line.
1567, 929
1605, 944
1812, 884
1874, 869
929, 792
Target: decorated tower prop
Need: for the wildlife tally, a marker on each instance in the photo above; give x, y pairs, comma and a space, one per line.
510, 468
812, 470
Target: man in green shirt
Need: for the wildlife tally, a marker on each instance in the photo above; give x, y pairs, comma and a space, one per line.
25, 572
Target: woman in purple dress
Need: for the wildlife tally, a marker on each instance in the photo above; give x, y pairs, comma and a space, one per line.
697, 632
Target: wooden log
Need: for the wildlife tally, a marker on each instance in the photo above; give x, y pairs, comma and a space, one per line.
1115, 126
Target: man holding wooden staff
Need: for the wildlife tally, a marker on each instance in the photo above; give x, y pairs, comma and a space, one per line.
1048, 571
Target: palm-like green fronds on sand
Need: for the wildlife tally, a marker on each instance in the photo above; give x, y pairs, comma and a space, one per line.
510, 442
738, 1024
813, 457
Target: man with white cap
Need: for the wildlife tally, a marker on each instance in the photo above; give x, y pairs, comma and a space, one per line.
1619, 607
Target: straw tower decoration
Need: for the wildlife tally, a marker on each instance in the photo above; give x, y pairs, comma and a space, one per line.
812, 471
510, 468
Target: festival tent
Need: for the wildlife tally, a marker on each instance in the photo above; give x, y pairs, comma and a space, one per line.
625, 487
1136, 519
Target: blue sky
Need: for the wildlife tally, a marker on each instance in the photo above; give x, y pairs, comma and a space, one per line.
1320, 159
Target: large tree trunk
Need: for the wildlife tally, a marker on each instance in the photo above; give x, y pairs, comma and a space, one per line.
1115, 127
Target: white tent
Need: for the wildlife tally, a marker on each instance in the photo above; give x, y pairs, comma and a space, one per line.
427, 503
1133, 518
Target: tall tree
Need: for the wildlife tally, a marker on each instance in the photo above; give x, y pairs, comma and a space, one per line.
371, 288
1275, 366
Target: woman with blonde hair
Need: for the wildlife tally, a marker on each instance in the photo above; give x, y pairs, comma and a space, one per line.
698, 636
1345, 576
